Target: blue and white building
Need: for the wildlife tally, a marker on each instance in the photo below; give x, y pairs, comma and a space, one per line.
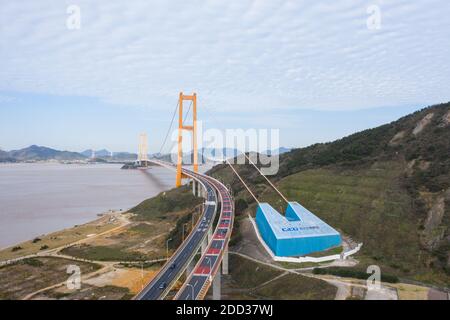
298, 233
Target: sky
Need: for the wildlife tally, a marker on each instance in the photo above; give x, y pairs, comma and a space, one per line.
79, 74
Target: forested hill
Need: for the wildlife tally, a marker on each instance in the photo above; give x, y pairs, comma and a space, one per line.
422, 137
388, 187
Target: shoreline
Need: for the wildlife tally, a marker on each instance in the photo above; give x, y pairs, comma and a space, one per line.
66, 236
41, 198
98, 217
43, 235
89, 221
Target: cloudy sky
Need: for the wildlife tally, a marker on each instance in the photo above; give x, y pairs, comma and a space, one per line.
317, 70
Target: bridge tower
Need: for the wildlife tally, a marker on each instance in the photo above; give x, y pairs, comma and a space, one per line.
143, 149
181, 127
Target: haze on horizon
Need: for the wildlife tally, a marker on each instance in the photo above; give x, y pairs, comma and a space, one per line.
313, 69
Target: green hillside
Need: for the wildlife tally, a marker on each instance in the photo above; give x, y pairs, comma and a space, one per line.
388, 187
42, 153
165, 204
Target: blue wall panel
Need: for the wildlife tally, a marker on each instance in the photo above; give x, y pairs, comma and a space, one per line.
298, 233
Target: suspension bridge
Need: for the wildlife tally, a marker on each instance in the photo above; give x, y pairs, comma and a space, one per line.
207, 238
210, 240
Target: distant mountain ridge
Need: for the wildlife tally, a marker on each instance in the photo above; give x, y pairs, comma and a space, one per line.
41, 153
278, 151
35, 152
5, 157
214, 154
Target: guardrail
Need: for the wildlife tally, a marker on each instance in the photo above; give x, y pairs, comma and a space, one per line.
227, 214
200, 179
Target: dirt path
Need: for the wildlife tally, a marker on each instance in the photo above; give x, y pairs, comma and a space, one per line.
344, 285
105, 269
55, 252
106, 266
275, 266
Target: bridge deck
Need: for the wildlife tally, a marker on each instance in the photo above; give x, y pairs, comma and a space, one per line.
158, 288
198, 283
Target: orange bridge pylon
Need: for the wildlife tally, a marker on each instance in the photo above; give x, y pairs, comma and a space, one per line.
192, 128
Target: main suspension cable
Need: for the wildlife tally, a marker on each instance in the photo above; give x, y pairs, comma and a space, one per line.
265, 177
245, 155
170, 127
245, 185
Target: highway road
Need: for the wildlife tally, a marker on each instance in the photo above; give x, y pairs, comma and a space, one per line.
158, 288
208, 266
201, 277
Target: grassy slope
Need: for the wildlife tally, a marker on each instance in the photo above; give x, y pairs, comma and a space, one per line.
90, 293
103, 253
166, 203
248, 274
177, 205
30, 275
365, 203
373, 190
167, 212
59, 238
296, 287
247, 277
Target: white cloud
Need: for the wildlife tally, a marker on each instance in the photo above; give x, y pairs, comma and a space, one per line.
252, 55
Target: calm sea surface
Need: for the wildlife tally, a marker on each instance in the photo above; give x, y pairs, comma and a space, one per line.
41, 198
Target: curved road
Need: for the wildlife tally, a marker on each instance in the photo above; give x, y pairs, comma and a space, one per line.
198, 283
160, 286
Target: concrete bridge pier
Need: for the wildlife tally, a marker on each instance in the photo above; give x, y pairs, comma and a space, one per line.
225, 261
197, 189
217, 286
200, 191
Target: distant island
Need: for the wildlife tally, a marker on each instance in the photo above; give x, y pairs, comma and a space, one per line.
37, 153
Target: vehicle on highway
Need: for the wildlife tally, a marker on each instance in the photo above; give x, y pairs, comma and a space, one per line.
162, 286
173, 266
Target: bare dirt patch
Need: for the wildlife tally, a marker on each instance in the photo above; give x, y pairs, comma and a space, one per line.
423, 123
397, 138
86, 292
411, 292
250, 244
446, 119
131, 278
135, 242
